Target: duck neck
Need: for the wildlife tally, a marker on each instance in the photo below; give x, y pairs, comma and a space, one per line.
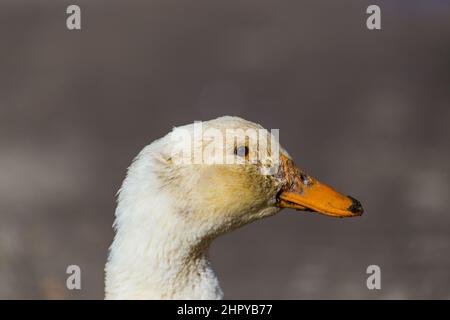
153, 257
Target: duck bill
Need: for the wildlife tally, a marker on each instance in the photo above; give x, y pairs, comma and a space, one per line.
302, 192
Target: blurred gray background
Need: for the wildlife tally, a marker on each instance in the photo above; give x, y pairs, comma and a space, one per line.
367, 112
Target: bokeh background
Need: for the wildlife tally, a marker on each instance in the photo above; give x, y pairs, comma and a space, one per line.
365, 111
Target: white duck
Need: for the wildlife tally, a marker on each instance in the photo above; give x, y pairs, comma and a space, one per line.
169, 211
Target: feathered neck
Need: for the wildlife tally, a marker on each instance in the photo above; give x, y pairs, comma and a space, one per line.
155, 254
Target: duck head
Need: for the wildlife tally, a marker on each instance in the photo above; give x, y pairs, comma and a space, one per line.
260, 179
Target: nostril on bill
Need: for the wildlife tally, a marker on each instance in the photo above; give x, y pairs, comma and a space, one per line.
356, 206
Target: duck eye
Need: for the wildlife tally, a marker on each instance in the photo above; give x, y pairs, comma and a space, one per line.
305, 179
241, 151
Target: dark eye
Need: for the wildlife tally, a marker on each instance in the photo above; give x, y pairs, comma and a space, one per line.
241, 151
305, 179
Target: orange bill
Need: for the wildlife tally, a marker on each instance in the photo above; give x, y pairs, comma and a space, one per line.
303, 192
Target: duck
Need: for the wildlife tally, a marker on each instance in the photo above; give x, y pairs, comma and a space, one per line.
170, 208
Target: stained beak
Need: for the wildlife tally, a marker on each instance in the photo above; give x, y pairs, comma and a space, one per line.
303, 192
